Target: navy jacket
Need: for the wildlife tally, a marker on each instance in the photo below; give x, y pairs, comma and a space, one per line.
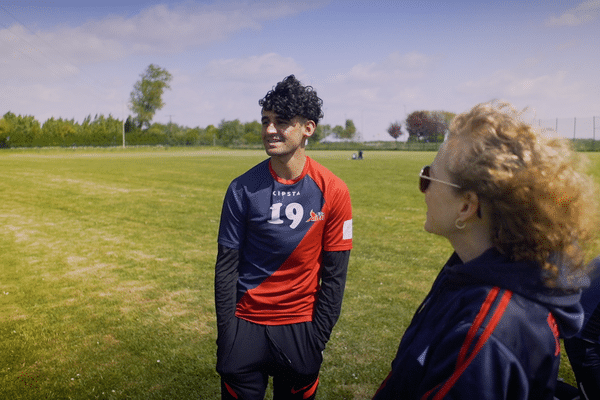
489, 329
590, 301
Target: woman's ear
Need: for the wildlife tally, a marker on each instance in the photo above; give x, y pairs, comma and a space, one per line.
471, 206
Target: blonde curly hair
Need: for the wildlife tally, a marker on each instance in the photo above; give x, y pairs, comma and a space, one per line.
543, 206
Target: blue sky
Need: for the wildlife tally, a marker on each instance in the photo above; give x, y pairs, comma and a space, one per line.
370, 61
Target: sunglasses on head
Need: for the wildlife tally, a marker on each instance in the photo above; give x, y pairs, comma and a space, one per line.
425, 179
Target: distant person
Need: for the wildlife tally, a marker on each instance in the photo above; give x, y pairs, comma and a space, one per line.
284, 244
512, 204
360, 155
584, 348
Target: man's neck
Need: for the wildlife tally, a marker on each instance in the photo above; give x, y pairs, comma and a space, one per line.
289, 166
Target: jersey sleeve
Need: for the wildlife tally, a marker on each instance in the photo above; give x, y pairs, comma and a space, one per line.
338, 232
232, 225
226, 276
333, 282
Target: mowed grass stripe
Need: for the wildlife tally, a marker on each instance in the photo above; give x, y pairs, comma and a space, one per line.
107, 259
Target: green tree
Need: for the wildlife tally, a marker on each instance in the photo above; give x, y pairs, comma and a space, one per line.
155, 134
5, 129
146, 97
101, 131
129, 125
338, 130
230, 132
446, 117
252, 132
190, 136
350, 129
23, 131
322, 131
318, 134
208, 136
345, 132
59, 132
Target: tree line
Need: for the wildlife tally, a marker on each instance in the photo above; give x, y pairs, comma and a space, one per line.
25, 131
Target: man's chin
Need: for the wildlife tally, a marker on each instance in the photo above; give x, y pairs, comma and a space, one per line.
274, 151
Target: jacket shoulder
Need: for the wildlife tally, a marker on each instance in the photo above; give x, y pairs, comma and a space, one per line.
528, 327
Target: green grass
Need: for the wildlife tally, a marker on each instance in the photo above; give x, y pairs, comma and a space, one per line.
107, 266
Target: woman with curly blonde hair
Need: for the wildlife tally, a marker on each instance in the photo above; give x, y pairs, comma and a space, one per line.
518, 209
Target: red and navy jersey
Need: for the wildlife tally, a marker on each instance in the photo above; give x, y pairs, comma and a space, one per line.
281, 227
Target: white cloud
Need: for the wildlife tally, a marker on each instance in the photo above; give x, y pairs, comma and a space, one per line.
505, 83
160, 29
396, 79
375, 94
396, 66
28, 57
554, 94
261, 68
584, 13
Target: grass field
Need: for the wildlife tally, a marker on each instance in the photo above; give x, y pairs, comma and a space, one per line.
107, 266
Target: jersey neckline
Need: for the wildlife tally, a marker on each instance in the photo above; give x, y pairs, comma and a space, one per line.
290, 181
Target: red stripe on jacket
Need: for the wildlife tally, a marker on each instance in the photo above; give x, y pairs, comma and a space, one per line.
464, 357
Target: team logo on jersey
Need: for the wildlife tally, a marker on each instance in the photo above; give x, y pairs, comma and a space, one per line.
316, 216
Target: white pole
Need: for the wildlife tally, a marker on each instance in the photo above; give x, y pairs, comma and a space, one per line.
123, 125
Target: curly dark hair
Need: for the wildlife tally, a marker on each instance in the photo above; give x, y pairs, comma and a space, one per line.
290, 99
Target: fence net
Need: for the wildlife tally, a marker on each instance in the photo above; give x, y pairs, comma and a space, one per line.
573, 128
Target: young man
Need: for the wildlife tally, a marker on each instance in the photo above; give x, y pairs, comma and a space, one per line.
284, 244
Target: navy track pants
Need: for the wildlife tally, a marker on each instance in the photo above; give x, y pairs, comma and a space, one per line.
289, 353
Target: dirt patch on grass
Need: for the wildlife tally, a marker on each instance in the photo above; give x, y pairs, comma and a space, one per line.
20, 234
91, 187
96, 270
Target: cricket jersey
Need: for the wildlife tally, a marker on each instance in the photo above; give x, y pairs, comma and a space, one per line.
280, 228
